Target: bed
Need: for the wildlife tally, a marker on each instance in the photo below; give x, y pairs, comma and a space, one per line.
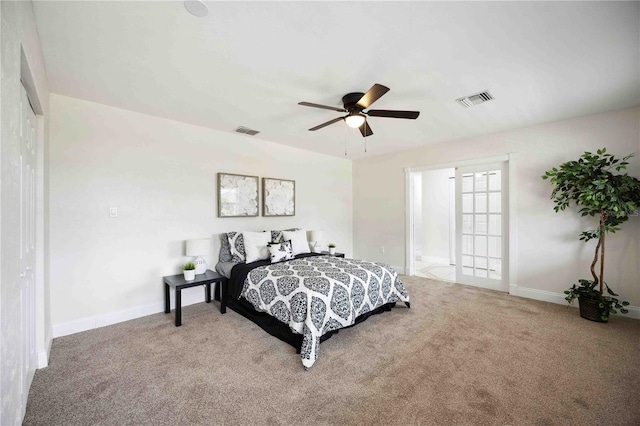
308, 297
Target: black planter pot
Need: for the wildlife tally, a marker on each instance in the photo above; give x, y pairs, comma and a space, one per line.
590, 309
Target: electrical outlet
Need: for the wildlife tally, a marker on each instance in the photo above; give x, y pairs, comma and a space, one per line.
113, 212
381, 249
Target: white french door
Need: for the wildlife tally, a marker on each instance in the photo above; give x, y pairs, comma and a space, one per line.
482, 226
27, 242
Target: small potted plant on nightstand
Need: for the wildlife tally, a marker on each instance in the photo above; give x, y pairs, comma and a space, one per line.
332, 248
189, 270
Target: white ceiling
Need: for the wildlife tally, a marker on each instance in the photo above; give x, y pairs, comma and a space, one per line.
250, 63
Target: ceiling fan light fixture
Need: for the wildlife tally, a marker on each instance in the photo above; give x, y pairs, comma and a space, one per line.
354, 120
196, 8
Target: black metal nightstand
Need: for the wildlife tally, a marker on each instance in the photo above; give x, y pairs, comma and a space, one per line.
178, 283
335, 254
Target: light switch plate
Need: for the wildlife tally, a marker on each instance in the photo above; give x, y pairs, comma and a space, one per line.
113, 212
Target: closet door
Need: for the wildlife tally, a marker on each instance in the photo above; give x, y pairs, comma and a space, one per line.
27, 243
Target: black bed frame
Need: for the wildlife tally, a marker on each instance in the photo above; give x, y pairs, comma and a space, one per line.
281, 330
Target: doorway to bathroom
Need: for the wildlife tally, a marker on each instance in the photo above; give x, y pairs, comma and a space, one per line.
457, 222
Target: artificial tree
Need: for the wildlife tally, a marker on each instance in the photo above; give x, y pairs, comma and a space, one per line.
591, 184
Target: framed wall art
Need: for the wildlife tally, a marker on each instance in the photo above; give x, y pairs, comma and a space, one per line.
237, 195
278, 197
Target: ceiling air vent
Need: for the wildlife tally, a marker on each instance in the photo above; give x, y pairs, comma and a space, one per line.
476, 99
247, 131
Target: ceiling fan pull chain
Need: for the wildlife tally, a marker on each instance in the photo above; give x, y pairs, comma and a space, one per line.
365, 139
345, 140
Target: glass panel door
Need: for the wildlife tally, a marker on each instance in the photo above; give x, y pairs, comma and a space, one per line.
481, 207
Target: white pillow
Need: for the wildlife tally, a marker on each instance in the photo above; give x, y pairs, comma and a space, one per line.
255, 245
298, 239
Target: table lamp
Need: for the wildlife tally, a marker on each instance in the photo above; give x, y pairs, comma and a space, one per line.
197, 248
316, 236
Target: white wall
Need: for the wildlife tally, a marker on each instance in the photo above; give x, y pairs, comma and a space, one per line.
436, 215
21, 58
548, 254
161, 175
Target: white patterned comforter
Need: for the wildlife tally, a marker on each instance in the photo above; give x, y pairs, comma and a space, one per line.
315, 295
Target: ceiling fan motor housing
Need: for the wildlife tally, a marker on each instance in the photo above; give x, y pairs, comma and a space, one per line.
350, 101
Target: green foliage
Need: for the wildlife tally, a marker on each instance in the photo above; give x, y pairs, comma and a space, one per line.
331, 245
609, 302
189, 266
590, 183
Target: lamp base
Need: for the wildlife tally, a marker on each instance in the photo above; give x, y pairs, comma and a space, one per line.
201, 265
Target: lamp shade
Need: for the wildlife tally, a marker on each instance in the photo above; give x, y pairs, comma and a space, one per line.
198, 247
315, 235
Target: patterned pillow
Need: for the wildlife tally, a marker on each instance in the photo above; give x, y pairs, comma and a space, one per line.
225, 249
236, 246
277, 237
281, 251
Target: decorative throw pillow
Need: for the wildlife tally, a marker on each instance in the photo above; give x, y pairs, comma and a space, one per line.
236, 246
255, 246
281, 251
277, 237
299, 241
225, 249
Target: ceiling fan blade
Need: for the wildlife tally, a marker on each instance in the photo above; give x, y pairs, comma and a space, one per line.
309, 104
335, 120
365, 130
412, 115
372, 95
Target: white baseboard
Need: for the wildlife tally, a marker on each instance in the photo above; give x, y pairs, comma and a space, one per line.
43, 359
559, 298
43, 356
196, 296
545, 296
634, 312
89, 323
399, 270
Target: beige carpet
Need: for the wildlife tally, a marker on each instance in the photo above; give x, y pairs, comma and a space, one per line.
460, 355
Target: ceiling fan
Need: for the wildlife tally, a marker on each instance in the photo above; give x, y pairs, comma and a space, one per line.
354, 105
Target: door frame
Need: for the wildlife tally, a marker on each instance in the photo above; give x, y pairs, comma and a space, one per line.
511, 160
44, 332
